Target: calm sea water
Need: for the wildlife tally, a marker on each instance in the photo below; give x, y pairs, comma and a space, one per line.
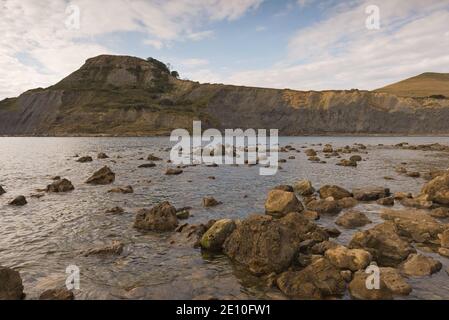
44, 237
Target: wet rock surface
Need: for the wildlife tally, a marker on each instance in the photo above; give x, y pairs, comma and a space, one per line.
11, 287
162, 217
102, 177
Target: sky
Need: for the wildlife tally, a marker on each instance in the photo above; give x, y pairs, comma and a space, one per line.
296, 44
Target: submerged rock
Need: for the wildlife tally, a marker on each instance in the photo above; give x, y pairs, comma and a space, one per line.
11, 287
115, 210
419, 265
57, 294
304, 188
335, 192
183, 214
102, 177
147, 165
318, 280
127, 189
210, 202
173, 172
18, 201
353, 219
102, 155
279, 203
115, 248
215, 237
265, 244
160, 218
152, 157
85, 159
383, 242
370, 194
355, 158
63, 185
347, 163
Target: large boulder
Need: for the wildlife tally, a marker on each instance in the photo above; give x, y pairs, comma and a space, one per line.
416, 225
383, 242
348, 259
11, 287
437, 190
214, 238
335, 192
60, 185
371, 193
102, 177
353, 219
160, 218
358, 288
279, 203
265, 244
304, 188
318, 280
324, 206
418, 265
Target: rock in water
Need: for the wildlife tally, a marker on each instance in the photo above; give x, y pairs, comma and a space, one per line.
437, 190
304, 188
279, 203
102, 177
395, 282
318, 280
353, 219
335, 192
418, 265
57, 294
102, 155
370, 194
116, 248
11, 287
183, 214
63, 185
416, 225
115, 210
358, 288
214, 238
383, 242
284, 187
2, 191
389, 201
85, 159
210, 202
324, 206
352, 259
125, 190
265, 244
148, 165
173, 172
153, 158
160, 218
19, 201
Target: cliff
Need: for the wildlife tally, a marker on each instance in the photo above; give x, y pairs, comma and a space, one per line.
120, 95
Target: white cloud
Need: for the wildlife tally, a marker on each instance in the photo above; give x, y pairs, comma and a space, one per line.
193, 62
201, 35
38, 29
340, 53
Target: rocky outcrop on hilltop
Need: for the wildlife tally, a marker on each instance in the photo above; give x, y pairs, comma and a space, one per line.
121, 95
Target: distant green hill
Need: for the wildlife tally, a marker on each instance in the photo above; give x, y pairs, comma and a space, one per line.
425, 85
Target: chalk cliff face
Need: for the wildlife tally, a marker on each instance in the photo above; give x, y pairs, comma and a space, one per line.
119, 95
